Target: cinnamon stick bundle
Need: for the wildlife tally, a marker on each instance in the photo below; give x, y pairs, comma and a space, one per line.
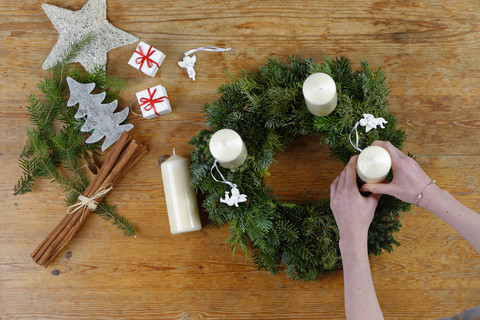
125, 154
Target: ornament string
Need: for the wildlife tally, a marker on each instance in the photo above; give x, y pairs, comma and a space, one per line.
131, 109
145, 57
236, 197
369, 122
86, 202
188, 61
150, 102
355, 145
207, 48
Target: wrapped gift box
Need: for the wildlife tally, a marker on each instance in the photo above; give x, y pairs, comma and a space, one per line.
154, 102
147, 59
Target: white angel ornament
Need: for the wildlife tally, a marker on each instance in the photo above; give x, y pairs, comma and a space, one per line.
235, 198
188, 63
370, 122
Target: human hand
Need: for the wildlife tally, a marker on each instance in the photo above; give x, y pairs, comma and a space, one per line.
408, 178
353, 212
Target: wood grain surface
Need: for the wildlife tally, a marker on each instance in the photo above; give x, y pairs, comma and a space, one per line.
430, 50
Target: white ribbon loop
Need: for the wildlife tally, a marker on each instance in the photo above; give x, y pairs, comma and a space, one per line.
207, 48
236, 197
369, 122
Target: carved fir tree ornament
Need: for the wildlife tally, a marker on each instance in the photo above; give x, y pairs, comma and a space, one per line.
101, 118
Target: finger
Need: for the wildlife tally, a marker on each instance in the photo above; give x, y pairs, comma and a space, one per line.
372, 200
374, 197
342, 180
351, 172
379, 188
391, 149
333, 188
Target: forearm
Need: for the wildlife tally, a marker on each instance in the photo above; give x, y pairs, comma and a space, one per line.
360, 299
464, 220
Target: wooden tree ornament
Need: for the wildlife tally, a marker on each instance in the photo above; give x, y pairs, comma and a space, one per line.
100, 117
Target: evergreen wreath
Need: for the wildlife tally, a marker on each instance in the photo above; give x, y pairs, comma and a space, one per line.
268, 110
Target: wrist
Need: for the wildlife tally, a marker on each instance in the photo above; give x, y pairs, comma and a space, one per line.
356, 241
429, 197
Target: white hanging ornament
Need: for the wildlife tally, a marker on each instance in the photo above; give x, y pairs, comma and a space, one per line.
374, 162
236, 196
73, 26
189, 62
101, 118
370, 122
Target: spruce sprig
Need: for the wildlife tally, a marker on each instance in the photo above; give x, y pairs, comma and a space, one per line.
55, 145
267, 109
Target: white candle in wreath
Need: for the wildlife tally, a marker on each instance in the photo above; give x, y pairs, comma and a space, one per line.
181, 200
228, 148
320, 94
373, 164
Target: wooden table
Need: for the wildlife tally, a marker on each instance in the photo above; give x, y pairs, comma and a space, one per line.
430, 50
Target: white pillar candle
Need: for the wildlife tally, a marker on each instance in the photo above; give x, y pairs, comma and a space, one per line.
181, 200
228, 148
320, 94
373, 164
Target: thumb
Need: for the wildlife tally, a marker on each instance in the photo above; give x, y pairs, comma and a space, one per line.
378, 188
373, 198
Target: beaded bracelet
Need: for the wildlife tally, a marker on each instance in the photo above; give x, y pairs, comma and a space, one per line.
420, 195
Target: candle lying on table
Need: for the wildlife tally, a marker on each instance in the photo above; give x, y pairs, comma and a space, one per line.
181, 200
320, 94
228, 148
373, 164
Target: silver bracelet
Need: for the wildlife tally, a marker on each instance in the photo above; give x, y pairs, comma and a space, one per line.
420, 195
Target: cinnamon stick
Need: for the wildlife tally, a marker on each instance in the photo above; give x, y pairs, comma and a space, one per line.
106, 167
125, 154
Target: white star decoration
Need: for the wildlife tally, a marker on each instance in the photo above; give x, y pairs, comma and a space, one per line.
73, 26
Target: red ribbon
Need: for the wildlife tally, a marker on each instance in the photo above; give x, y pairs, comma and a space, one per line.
141, 60
150, 102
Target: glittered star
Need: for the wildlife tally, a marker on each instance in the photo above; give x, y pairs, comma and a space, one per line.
73, 26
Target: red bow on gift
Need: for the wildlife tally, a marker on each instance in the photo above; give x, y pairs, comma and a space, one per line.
150, 102
141, 60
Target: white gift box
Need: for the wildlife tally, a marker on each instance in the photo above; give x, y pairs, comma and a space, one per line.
147, 59
154, 102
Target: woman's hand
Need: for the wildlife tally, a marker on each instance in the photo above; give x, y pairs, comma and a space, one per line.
408, 178
353, 212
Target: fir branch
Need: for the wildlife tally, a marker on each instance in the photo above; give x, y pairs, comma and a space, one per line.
47, 149
107, 212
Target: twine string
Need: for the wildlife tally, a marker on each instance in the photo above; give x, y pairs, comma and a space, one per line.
86, 202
